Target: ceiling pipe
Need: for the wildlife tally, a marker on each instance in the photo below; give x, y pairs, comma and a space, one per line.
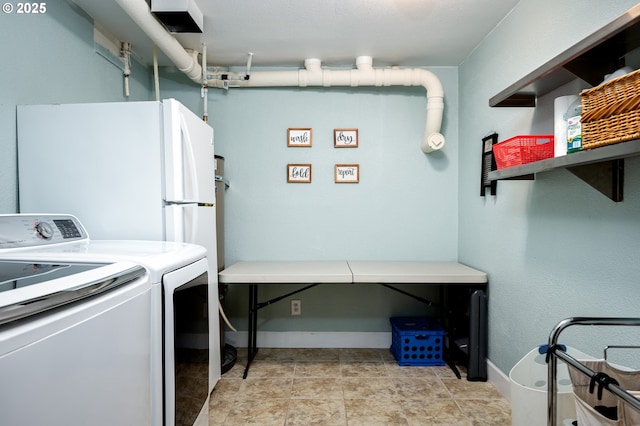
139, 11
312, 75
364, 75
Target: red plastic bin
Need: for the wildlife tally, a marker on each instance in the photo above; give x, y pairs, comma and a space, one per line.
523, 149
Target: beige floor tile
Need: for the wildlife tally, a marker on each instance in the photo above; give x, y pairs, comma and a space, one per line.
420, 388
317, 354
321, 412
258, 412
445, 372
370, 412
272, 368
357, 354
387, 356
464, 389
318, 369
369, 388
236, 371
226, 389
218, 410
434, 411
310, 388
261, 388
395, 370
276, 354
363, 369
489, 412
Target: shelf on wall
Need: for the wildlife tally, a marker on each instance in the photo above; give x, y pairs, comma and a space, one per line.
600, 53
602, 168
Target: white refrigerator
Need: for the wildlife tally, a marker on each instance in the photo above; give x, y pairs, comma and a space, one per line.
127, 170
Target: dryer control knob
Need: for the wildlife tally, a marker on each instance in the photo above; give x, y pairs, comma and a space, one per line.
44, 230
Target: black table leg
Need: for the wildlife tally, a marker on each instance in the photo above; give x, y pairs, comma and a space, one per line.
252, 347
452, 365
446, 322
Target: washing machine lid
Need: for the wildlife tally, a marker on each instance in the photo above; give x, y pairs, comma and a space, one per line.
28, 288
16, 274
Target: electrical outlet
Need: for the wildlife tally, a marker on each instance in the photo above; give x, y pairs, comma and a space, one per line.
296, 307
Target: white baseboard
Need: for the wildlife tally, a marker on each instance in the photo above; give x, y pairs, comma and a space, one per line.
499, 380
312, 339
329, 339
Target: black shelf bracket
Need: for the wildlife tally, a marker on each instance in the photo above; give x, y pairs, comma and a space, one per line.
606, 177
488, 164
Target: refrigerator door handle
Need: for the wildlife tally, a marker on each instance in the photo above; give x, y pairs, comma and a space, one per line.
194, 226
175, 222
191, 161
185, 220
186, 202
183, 216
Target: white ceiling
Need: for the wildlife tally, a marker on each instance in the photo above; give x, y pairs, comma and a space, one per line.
285, 32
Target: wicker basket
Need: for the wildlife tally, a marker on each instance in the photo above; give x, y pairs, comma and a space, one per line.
611, 112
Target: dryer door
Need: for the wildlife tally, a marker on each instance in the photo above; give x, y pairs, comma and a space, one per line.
186, 347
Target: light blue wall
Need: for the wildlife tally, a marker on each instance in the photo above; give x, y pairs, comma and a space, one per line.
554, 247
50, 58
401, 209
404, 207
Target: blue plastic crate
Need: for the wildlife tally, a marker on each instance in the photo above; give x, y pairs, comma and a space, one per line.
417, 341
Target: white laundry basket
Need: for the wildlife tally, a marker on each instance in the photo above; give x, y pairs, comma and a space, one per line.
528, 382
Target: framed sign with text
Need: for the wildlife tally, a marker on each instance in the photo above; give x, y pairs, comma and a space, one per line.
299, 137
345, 138
347, 173
299, 173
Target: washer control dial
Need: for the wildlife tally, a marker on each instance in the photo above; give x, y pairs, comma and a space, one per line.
44, 230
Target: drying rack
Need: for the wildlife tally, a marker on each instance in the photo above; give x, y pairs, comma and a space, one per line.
556, 351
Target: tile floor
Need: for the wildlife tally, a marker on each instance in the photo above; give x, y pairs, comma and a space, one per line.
350, 387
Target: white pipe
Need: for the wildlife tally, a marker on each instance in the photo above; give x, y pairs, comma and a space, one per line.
248, 71
139, 11
156, 76
224, 317
125, 49
311, 75
204, 61
364, 75
205, 85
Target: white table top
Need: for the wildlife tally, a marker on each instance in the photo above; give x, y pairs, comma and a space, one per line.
415, 272
287, 272
351, 272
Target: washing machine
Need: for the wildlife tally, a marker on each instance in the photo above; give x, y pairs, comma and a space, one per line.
100, 332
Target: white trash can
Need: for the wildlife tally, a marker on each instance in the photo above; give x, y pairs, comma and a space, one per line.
528, 383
